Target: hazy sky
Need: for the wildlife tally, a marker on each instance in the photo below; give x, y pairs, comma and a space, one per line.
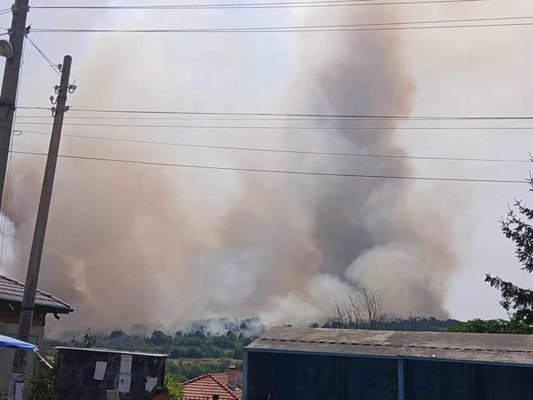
480, 71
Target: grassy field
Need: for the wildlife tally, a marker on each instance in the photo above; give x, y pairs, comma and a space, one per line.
189, 368
188, 361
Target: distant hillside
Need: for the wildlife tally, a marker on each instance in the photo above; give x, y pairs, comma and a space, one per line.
223, 337
212, 345
427, 324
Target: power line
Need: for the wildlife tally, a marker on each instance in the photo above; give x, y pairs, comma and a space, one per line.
281, 171
163, 118
287, 151
44, 56
250, 119
287, 29
225, 119
44, 108
392, 26
287, 4
296, 128
302, 115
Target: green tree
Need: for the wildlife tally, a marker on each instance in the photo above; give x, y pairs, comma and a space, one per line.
173, 385
87, 340
116, 335
41, 385
492, 326
517, 301
159, 338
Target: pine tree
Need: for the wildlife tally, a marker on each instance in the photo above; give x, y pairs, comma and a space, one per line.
518, 226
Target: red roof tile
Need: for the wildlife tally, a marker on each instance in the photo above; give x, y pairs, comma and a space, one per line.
205, 386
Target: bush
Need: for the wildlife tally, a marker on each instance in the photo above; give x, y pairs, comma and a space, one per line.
492, 326
173, 385
87, 340
42, 385
159, 338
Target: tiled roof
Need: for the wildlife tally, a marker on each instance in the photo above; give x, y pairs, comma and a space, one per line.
205, 386
12, 291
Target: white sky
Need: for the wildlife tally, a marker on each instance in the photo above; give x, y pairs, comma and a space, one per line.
457, 72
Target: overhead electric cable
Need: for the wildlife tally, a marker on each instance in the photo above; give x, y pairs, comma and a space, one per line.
399, 25
286, 4
193, 118
44, 56
301, 115
289, 128
287, 151
280, 171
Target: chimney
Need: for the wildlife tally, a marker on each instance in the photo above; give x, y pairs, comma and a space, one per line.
234, 377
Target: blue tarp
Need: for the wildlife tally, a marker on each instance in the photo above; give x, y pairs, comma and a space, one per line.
7, 342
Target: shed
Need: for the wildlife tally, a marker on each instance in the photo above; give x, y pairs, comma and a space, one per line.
97, 374
336, 364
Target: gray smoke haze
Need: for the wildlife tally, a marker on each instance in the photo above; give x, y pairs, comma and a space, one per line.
134, 244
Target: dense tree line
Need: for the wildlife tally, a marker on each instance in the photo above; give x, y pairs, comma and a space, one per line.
195, 345
493, 326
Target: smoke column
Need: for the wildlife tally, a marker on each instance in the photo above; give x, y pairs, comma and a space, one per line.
134, 244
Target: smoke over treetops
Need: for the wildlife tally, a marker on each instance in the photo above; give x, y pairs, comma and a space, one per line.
144, 244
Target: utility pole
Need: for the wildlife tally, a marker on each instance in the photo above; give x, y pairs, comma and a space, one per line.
10, 85
34, 264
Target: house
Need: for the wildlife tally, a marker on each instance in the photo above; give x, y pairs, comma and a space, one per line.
11, 293
335, 364
223, 386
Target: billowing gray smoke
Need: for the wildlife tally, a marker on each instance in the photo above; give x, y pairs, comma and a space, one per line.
145, 244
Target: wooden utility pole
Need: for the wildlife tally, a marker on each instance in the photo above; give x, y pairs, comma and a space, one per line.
10, 85
34, 264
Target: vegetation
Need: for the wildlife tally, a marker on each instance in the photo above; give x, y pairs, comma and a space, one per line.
181, 345
517, 301
41, 385
173, 385
492, 326
87, 340
185, 369
394, 323
363, 310
190, 353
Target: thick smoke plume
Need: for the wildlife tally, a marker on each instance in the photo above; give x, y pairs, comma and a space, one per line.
144, 244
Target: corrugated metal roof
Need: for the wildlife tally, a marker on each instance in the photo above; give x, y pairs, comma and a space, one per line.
472, 347
205, 386
12, 291
98, 350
